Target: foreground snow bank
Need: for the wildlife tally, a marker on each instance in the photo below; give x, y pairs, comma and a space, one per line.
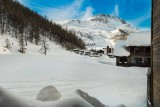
49, 93
79, 99
9, 100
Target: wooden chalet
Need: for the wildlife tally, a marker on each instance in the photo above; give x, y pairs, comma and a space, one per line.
135, 51
153, 88
108, 50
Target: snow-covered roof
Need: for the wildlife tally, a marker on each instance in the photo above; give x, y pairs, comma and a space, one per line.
139, 39
119, 48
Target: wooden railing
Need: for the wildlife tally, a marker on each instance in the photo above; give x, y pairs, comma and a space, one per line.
140, 54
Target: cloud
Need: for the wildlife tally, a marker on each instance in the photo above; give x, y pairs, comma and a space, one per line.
64, 12
88, 13
116, 10
138, 21
145, 28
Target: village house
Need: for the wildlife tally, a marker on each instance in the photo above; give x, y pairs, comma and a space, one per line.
108, 51
135, 51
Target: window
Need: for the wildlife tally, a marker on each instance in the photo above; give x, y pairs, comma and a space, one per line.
123, 60
138, 50
147, 60
147, 49
138, 60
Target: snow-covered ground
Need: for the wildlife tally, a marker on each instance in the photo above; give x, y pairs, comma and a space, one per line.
26, 75
31, 49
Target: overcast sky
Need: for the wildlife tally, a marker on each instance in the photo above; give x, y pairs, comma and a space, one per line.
136, 12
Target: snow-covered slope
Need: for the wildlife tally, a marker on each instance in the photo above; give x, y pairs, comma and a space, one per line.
99, 30
3, 50
31, 48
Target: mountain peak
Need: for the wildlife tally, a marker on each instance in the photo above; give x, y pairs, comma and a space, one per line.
99, 30
104, 19
107, 17
103, 15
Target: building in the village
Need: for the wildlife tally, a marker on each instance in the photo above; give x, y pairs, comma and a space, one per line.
135, 51
153, 88
108, 51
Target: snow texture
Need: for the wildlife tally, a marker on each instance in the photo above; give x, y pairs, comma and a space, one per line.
120, 50
142, 38
4, 51
93, 101
31, 48
8, 99
48, 93
25, 75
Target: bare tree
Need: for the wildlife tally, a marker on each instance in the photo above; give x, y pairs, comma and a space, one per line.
22, 44
17, 20
8, 44
45, 46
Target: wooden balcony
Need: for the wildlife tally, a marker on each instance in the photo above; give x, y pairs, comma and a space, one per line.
140, 54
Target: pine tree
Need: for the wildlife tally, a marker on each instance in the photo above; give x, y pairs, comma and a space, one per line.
18, 21
44, 46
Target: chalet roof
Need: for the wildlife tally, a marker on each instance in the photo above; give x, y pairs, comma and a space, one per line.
120, 50
142, 38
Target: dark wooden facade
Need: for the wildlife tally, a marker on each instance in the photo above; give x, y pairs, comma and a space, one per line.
154, 91
139, 56
108, 50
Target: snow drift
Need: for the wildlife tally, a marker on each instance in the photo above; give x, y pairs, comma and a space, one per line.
4, 51
79, 99
49, 93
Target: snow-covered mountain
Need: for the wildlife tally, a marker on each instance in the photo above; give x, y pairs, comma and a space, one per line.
100, 30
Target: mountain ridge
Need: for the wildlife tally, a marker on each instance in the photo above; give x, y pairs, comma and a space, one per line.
97, 31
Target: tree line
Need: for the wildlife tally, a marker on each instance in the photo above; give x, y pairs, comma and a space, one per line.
28, 26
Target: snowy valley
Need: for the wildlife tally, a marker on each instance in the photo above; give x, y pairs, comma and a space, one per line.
67, 71
25, 70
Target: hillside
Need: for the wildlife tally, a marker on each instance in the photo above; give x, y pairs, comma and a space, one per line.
31, 48
28, 27
100, 30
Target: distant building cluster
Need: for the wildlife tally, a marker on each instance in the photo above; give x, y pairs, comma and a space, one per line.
91, 52
132, 51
